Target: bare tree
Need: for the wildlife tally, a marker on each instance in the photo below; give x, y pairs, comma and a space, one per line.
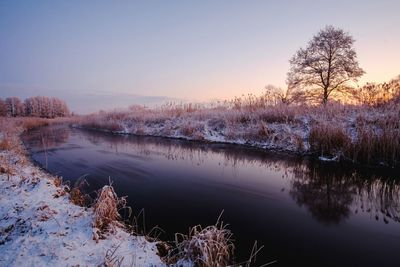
3, 108
277, 95
38, 106
377, 94
14, 106
326, 65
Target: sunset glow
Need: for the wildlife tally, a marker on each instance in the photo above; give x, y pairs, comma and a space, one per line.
177, 50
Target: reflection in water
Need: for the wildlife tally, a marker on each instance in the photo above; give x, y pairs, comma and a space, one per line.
331, 192
326, 194
47, 138
381, 197
263, 194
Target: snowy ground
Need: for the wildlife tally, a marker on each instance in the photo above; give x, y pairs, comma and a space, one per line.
39, 226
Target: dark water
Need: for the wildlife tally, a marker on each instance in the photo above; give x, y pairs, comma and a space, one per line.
305, 213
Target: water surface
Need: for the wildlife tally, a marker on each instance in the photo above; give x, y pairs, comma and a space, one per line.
304, 212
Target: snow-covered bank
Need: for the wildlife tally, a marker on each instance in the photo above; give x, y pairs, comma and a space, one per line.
39, 225
360, 134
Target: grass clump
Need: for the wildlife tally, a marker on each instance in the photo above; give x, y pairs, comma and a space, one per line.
78, 197
106, 215
211, 246
5, 144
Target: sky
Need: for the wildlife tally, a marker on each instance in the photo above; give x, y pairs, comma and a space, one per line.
110, 54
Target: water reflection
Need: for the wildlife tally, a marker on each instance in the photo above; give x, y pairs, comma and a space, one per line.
46, 138
331, 193
379, 197
327, 194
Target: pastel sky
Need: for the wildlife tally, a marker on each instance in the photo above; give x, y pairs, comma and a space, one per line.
107, 54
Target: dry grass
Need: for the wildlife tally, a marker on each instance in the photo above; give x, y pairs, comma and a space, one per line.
362, 134
6, 168
210, 246
379, 144
193, 130
58, 181
376, 139
108, 125
106, 215
77, 195
32, 123
111, 258
5, 143
109, 121
328, 140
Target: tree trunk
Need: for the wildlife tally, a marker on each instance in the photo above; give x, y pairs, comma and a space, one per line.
325, 99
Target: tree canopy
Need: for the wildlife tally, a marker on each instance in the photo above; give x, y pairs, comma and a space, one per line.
327, 65
38, 106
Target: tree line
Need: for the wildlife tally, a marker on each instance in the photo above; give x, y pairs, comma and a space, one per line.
38, 106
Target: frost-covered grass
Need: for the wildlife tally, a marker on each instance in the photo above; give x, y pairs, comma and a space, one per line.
362, 134
210, 246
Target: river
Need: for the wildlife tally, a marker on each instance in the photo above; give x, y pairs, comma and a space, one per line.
304, 212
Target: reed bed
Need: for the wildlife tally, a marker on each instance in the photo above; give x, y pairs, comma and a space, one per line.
359, 133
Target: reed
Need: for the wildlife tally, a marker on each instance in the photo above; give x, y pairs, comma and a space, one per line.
377, 146
211, 246
106, 215
328, 140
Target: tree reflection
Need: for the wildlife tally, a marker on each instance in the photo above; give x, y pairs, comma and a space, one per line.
326, 193
47, 138
332, 193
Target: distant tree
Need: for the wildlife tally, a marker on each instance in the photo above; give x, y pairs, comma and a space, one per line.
377, 94
277, 95
326, 65
58, 108
3, 108
14, 107
42, 106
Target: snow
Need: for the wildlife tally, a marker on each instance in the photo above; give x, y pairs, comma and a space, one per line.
39, 226
282, 136
322, 158
278, 128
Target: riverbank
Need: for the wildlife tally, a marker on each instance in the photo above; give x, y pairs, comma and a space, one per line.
40, 226
358, 134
